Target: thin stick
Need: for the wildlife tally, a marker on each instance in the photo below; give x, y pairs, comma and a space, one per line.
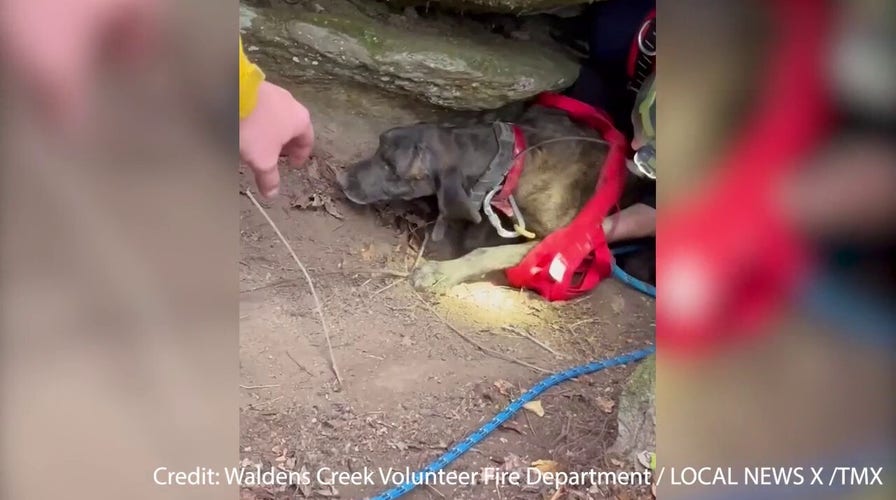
251, 387
529, 423
526, 414
389, 272
559, 493
533, 339
301, 367
265, 403
268, 285
260, 405
433, 488
318, 306
383, 289
421, 250
477, 345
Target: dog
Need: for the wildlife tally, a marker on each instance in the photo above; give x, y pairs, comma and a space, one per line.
558, 177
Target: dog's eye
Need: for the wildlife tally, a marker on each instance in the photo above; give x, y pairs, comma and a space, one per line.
390, 166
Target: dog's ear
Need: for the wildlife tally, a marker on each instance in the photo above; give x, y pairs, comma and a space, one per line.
421, 163
454, 202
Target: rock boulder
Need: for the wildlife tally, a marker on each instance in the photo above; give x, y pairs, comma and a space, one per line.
502, 6
637, 412
454, 67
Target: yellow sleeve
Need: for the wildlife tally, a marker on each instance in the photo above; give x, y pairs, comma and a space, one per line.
250, 78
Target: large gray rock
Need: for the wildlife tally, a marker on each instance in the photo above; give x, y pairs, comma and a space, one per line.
447, 65
637, 412
503, 6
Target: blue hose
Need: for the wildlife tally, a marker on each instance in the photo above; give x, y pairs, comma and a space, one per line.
475, 438
628, 279
633, 282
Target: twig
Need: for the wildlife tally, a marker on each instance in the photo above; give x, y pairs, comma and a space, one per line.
389, 272
393, 308
301, 367
529, 423
433, 488
533, 339
564, 431
260, 405
317, 303
582, 322
477, 345
421, 250
268, 285
383, 289
251, 387
526, 414
559, 493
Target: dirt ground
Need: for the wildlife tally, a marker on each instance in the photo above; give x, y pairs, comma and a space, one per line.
411, 385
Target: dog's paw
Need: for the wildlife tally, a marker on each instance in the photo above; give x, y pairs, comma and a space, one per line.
432, 277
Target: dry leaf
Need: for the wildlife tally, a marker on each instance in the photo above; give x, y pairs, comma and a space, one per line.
535, 407
368, 253
546, 465
606, 405
303, 486
331, 209
504, 387
312, 168
317, 200
646, 459
330, 492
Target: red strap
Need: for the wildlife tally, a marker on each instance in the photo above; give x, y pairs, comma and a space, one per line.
612, 178
574, 259
500, 200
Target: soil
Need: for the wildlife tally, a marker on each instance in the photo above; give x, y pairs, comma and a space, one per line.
411, 385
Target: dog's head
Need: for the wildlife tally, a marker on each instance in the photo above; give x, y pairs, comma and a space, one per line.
413, 162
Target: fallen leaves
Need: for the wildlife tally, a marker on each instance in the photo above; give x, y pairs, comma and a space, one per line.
546, 466
535, 407
647, 459
606, 405
330, 492
317, 200
504, 387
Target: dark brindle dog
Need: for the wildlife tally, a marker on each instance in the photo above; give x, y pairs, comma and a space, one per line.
426, 159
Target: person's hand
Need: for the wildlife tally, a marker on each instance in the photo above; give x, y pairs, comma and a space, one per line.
636, 221
278, 126
56, 49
